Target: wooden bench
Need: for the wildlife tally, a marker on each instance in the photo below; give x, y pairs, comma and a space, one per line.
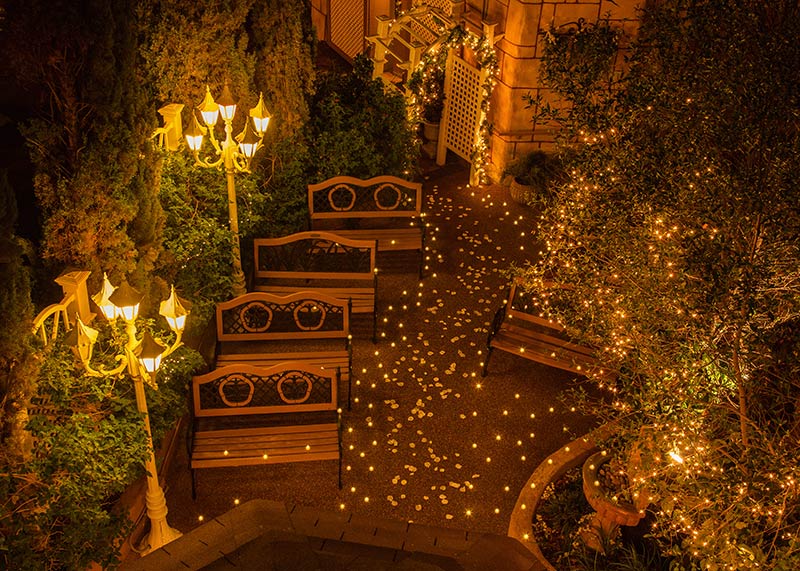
323, 262
250, 416
264, 329
518, 330
384, 208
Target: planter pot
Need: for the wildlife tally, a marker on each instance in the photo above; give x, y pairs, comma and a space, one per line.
430, 131
520, 193
609, 514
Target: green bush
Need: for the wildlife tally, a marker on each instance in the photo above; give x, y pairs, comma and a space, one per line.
359, 127
88, 448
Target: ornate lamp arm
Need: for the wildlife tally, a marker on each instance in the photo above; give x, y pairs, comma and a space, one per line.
101, 372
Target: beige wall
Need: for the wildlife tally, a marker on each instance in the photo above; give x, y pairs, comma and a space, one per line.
519, 56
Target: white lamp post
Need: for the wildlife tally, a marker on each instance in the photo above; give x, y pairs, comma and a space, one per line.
141, 359
234, 155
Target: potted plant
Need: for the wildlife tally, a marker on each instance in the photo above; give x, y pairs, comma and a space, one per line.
427, 84
531, 176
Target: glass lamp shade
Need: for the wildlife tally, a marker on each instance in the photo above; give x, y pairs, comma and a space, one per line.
194, 134
101, 298
81, 340
227, 105
260, 116
127, 300
175, 310
248, 142
149, 352
209, 109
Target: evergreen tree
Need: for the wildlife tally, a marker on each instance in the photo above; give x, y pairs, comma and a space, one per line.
17, 363
95, 172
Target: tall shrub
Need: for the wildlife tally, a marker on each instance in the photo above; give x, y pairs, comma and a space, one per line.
18, 364
359, 127
95, 172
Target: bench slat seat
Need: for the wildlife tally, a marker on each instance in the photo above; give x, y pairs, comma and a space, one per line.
388, 240
383, 208
268, 445
244, 415
323, 262
517, 331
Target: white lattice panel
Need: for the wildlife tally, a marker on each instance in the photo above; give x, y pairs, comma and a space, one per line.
463, 108
427, 22
347, 26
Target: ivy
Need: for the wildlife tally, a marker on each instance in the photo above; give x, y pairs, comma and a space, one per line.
57, 511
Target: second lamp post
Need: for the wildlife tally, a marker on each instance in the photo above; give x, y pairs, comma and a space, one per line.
234, 155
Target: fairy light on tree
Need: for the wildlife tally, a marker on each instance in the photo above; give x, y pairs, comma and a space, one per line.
674, 237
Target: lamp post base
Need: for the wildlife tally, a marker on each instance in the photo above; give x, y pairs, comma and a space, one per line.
160, 534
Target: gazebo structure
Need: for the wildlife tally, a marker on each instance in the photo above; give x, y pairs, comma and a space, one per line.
486, 120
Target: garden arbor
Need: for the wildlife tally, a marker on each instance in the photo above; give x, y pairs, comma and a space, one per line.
412, 44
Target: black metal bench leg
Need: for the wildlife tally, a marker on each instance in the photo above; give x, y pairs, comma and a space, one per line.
485, 370
194, 484
339, 433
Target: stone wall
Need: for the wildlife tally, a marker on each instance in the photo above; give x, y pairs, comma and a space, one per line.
519, 56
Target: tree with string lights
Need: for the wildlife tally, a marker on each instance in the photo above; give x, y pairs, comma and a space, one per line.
673, 249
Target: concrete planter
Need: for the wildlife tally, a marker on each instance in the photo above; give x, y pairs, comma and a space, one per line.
523, 194
610, 514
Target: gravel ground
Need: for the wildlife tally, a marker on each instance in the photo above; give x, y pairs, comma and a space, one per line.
427, 440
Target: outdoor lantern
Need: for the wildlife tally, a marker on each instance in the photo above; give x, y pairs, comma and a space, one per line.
227, 105
149, 353
209, 109
174, 310
101, 298
194, 134
81, 340
260, 116
127, 300
249, 141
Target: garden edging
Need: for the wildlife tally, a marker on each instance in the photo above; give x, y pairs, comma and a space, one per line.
554, 466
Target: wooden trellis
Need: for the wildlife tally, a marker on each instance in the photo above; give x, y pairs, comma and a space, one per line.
402, 42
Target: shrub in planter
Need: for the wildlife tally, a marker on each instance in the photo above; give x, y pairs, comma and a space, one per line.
532, 175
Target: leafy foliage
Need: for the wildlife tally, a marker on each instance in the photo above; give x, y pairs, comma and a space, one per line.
95, 175
676, 243
197, 256
188, 45
427, 85
56, 512
359, 128
17, 361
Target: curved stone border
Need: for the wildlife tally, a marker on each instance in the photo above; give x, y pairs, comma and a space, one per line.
559, 462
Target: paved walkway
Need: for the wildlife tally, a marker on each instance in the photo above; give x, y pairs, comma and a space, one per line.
427, 441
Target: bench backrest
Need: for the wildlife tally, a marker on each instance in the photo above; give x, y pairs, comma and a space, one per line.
520, 306
379, 197
321, 255
260, 316
292, 386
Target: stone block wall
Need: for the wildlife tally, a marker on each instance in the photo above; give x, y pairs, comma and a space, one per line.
519, 55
